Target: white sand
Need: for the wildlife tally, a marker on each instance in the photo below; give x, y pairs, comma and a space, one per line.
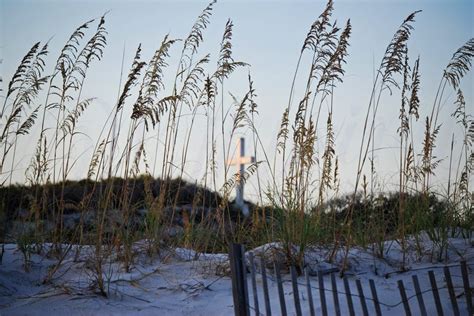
177, 284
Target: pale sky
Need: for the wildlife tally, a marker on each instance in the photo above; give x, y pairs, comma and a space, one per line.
268, 35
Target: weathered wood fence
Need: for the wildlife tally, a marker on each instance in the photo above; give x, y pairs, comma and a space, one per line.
369, 305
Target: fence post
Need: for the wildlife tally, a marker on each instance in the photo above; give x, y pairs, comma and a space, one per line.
254, 283
310, 293
281, 294
322, 294
436, 297
296, 294
237, 267
246, 286
452, 295
419, 295
266, 296
350, 305
404, 297
335, 297
467, 287
375, 297
363, 304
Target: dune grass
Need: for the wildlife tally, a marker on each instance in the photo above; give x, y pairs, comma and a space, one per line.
300, 205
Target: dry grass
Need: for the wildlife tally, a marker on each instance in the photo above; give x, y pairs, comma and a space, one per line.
297, 206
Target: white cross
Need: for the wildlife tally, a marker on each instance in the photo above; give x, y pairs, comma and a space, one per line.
241, 160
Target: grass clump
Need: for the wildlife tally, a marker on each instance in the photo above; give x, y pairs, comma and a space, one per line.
125, 197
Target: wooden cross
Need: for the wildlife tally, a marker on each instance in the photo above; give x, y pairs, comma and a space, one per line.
241, 160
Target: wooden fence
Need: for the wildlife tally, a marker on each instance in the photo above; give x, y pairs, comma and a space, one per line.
369, 305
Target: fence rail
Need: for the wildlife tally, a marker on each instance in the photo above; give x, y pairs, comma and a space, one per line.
411, 304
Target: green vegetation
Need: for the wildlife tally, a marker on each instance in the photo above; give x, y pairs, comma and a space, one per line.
119, 202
